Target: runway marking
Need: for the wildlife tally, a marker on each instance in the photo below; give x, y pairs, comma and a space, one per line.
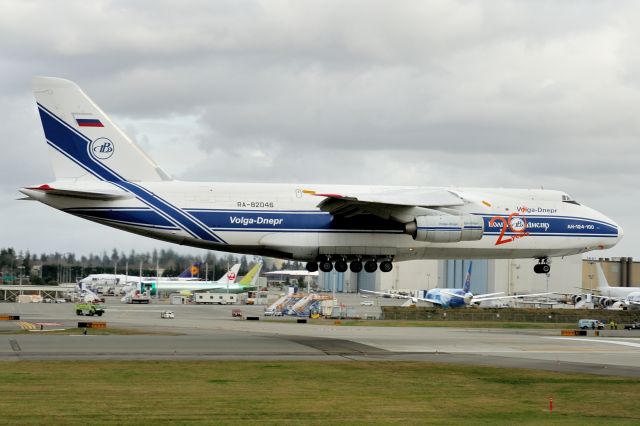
27, 325
613, 342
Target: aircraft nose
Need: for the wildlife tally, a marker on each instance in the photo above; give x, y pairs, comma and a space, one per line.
620, 232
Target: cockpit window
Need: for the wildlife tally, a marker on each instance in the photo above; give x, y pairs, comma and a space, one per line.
567, 199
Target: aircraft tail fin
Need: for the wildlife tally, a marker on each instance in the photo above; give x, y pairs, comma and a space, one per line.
231, 275
83, 141
603, 284
192, 271
467, 281
251, 278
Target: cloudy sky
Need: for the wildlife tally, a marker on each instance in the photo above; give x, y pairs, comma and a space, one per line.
486, 93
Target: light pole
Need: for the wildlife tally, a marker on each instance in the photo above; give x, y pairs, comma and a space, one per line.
548, 275
20, 271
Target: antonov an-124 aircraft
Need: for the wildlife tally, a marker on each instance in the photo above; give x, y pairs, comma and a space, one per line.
102, 176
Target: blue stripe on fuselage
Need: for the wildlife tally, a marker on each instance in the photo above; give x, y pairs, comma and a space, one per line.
308, 221
554, 226
74, 145
135, 216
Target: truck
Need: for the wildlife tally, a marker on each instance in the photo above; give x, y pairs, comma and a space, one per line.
632, 326
89, 309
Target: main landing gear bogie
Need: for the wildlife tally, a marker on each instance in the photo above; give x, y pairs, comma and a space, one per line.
356, 265
543, 266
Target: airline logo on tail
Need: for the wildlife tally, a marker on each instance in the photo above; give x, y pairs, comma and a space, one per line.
231, 276
101, 148
195, 270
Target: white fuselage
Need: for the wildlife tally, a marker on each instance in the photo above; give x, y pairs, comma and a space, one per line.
284, 220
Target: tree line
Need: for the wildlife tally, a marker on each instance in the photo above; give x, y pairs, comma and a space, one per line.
50, 268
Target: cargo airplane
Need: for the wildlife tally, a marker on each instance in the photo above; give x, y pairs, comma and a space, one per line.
102, 176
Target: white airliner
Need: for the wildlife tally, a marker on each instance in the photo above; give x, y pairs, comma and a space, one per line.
101, 175
189, 274
226, 283
613, 297
455, 297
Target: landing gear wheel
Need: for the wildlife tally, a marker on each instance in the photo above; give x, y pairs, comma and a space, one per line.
370, 266
542, 267
326, 266
356, 266
312, 266
341, 266
386, 266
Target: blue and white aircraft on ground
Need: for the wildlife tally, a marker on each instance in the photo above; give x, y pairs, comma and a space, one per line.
102, 176
456, 297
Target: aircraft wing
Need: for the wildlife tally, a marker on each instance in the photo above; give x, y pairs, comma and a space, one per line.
385, 203
482, 296
519, 296
401, 296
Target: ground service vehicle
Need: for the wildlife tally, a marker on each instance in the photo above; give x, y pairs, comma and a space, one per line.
89, 309
587, 324
167, 315
633, 326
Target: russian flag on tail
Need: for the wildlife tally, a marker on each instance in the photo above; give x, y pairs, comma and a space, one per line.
87, 120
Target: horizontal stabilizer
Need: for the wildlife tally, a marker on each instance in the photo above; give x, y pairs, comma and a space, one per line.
101, 194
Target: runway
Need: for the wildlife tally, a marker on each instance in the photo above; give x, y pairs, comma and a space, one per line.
210, 333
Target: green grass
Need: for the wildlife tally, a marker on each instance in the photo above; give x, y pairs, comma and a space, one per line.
460, 324
301, 392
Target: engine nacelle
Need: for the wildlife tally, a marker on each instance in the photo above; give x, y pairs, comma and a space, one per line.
605, 302
577, 298
446, 228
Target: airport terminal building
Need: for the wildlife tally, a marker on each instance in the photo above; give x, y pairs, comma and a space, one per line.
511, 276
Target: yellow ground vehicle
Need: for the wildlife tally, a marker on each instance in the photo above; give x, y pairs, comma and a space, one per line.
90, 309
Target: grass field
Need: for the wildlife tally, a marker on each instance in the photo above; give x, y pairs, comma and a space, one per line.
461, 324
323, 393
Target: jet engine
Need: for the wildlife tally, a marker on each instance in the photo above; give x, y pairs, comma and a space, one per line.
446, 228
606, 302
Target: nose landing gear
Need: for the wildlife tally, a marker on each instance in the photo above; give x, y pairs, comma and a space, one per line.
543, 266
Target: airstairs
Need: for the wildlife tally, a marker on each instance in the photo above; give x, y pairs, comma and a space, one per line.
308, 303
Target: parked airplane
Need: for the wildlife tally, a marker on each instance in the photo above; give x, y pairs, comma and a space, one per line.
611, 297
189, 274
455, 297
101, 175
154, 286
